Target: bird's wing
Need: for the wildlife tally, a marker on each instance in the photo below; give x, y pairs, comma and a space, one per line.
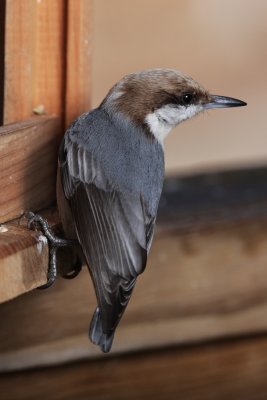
114, 230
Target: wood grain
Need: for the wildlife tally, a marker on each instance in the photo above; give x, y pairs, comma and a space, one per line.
23, 261
24, 256
221, 371
2, 60
200, 284
28, 159
34, 58
79, 48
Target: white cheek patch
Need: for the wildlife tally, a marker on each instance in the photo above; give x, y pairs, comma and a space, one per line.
158, 128
163, 120
188, 112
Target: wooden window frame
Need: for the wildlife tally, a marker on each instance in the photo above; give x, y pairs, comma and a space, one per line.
47, 84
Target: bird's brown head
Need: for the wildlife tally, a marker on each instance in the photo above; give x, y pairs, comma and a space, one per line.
159, 99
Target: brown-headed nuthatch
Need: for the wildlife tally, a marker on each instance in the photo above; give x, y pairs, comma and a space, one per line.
111, 170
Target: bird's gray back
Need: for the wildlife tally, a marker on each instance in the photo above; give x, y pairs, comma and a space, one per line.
131, 161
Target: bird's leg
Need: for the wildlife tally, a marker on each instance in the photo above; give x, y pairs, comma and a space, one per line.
54, 243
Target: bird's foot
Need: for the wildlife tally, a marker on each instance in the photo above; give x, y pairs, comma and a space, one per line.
54, 242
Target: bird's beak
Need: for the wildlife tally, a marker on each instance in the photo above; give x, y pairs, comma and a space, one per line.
222, 101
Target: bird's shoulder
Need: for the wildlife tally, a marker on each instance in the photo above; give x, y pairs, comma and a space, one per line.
114, 154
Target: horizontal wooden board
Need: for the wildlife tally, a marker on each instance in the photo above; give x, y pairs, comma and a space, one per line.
23, 257
226, 370
23, 265
206, 279
199, 285
28, 160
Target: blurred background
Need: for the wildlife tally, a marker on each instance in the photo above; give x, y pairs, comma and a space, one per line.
221, 44
196, 326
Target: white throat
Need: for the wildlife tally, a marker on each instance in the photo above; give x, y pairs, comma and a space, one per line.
164, 119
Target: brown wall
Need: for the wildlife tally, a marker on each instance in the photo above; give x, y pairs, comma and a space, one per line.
222, 44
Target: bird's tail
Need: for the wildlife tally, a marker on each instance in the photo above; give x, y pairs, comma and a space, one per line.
96, 334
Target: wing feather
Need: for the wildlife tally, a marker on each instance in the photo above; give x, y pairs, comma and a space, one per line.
113, 202
113, 229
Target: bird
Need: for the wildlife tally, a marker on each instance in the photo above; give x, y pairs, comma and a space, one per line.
110, 179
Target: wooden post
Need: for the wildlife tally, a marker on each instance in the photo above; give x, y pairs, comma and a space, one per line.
78, 79
34, 58
47, 71
28, 165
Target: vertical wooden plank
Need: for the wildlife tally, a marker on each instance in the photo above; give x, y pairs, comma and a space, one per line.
78, 79
34, 57
49, 55
2, 49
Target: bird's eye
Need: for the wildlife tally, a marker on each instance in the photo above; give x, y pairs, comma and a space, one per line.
187, 98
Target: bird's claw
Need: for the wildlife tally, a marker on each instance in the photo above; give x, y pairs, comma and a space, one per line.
36, 219
54, 243
72, 274
31, 219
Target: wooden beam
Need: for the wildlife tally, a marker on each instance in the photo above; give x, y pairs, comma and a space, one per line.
23, 260
206, 278
24, 256
2, 61
79, 49
34, 58
226, 370
199, 285
28, 153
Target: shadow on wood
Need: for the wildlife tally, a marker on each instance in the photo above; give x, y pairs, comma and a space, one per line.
229, 370
206, 279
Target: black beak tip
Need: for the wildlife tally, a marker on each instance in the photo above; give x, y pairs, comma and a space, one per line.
223, 101
237, 103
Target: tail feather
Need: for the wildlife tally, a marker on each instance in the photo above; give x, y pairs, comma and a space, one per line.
96, 334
